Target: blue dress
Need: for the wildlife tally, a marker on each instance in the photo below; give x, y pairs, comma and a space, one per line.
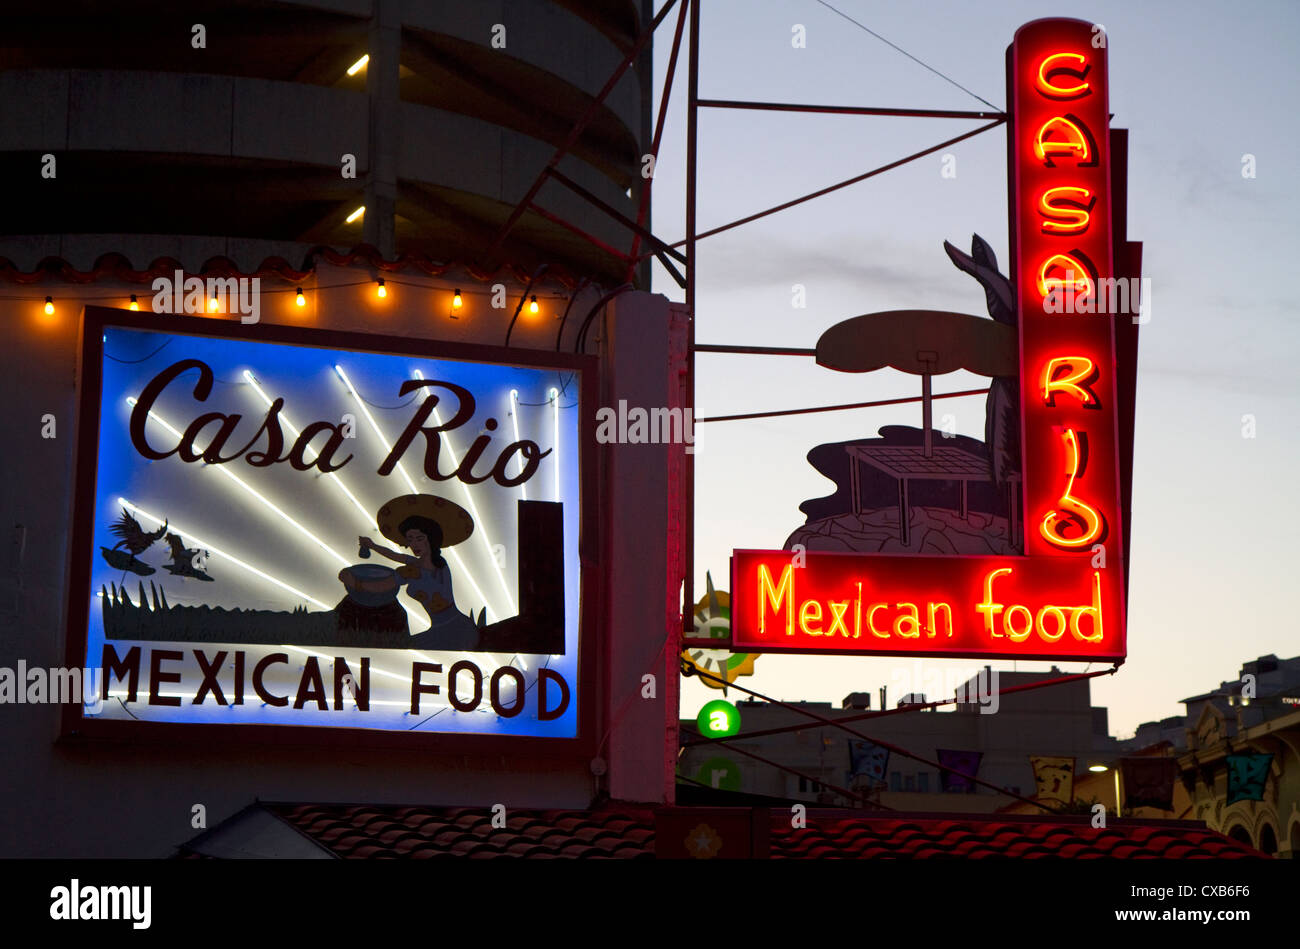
449, 628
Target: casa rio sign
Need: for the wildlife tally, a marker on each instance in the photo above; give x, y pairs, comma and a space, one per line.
309, 450
284, 529
1057, 589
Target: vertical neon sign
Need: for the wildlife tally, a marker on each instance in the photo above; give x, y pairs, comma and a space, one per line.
1059, 155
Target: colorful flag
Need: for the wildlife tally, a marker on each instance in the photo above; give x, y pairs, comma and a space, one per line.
869, 759
965, 762
1149, 781
1054, 777
1246, 777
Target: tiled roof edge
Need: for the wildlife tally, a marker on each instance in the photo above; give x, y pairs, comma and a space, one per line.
117, 265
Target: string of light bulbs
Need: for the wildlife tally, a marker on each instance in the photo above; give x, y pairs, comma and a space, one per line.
381, 284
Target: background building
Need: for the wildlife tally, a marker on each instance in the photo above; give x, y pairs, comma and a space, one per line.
436, 117
1057, 720
1222, 730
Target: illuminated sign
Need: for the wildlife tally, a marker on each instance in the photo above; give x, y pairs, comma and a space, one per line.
1060, 594
1059, 152
283, 529
1026, 607
718, 719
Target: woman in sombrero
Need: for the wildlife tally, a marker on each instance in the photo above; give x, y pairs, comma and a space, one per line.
426, 525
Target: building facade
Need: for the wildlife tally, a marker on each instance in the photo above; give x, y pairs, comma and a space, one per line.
202, 189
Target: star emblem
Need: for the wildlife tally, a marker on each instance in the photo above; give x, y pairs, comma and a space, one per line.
703, 842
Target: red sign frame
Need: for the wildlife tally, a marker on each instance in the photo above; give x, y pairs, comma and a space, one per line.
1064, 598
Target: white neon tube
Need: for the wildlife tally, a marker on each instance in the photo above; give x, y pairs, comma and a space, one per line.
555, 402
332, 475
239, 481
214, 550
514, 417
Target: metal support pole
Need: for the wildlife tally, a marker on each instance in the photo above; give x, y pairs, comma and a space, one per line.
846, 109
842, 184
692, 115
385, 41
643, 209
927, 414
576, 132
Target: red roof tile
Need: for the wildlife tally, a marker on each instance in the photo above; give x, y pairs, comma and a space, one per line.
628, 831
117, 266
975, 837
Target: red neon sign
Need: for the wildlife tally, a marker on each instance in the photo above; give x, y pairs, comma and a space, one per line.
1059, 151
1021, 607
1064, 598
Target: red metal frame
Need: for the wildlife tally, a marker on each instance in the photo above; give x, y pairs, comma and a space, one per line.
75, 725
578, 127
821, 192
644, 205
692, 235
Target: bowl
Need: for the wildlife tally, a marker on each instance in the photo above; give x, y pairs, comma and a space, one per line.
370, 572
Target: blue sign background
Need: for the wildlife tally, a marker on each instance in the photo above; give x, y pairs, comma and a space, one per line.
283, 550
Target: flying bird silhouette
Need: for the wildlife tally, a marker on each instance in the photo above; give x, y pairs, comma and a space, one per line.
136, 540
134, 537
182, 564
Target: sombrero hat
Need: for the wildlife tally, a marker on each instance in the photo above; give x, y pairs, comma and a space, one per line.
454, 520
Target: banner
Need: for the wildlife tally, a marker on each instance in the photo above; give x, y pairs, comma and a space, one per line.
867, 759
1149, 781
1247, 775
1054, 778
965, 762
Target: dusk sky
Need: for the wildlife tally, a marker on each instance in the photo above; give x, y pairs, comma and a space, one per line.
1199, 86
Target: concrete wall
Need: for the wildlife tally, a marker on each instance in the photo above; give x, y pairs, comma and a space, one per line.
251, 119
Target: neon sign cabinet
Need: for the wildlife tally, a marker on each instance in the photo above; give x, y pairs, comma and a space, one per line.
1064, 597
315, 531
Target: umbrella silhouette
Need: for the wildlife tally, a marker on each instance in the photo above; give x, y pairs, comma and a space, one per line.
934, 342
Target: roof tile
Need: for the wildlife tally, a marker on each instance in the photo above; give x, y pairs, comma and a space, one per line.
628, 832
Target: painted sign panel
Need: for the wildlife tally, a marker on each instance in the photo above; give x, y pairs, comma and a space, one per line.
295, 535
1029, 519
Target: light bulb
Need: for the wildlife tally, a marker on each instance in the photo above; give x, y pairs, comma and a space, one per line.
212, 304
532, 305
380, 290
49, 306
301, 300
456, 301
135, 304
